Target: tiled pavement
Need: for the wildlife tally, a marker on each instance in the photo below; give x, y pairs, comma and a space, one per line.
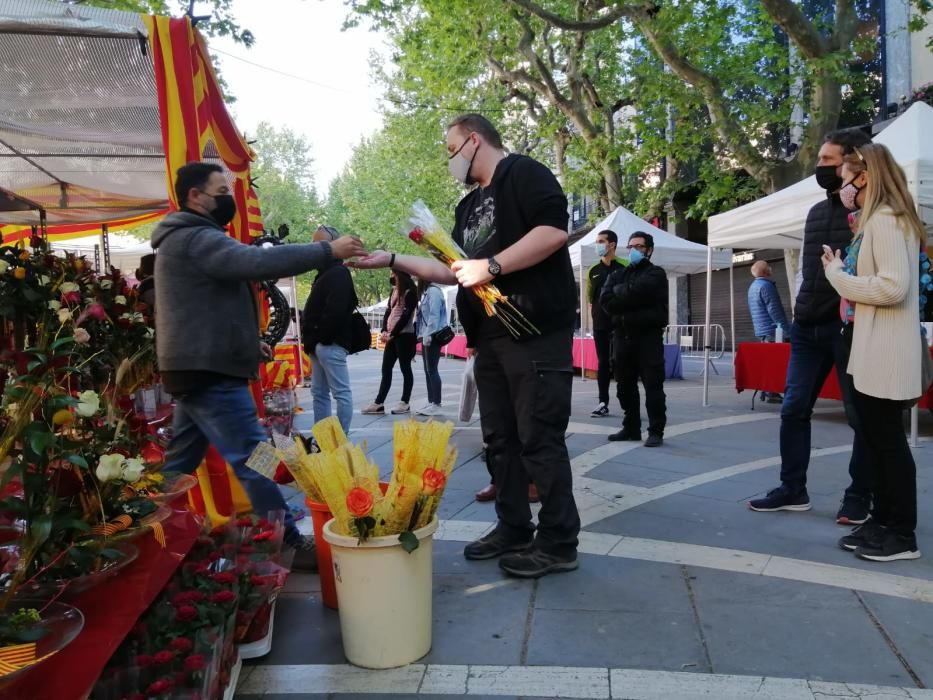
682, 592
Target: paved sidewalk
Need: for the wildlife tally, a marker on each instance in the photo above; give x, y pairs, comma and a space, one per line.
682, 592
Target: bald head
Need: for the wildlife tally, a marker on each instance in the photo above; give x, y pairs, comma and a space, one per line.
761, 269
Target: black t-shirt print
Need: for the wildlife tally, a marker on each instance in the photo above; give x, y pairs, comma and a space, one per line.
479, 233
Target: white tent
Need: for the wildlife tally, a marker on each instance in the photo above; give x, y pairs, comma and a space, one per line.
125, 250
777, 221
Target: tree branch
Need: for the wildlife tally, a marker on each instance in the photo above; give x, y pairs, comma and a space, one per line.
789, 17
556, 20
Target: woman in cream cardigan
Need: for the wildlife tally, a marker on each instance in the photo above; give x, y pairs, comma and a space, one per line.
880, 280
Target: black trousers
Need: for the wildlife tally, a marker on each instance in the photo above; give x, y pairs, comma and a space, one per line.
524, 401
640, 355
602, 337
399, 349
892, 467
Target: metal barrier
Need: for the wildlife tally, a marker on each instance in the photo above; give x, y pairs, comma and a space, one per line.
690, 339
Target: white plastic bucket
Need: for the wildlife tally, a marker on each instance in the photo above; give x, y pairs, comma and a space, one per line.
385, 597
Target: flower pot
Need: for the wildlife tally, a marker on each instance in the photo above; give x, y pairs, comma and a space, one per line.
320, 514
385, 597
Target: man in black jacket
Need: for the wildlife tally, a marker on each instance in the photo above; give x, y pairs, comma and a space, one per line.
606, 243
636, 298
816, 345
513, 228
327, 338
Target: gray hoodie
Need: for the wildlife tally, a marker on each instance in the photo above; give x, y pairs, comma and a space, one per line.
207, 318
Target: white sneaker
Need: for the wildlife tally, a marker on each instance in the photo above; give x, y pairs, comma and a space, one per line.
400, 408
374, 409
432, 409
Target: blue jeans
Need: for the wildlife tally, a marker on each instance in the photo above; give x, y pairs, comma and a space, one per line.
813, 352
330, 376
224, 415
432, 357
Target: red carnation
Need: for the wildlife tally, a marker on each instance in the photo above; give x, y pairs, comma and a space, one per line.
223, 597
186, 613
182, 644
224, 577
143, 660
195, 662
417, 235
163, 657
264, 536
163, 685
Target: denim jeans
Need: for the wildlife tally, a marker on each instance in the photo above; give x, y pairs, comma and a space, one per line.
330, 376
431, 355
813, 352
224, 415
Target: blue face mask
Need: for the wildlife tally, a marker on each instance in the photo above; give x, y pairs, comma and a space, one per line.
601, 249
635, 256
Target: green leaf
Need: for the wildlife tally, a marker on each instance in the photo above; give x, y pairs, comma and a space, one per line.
78, 460
40, 442
40, 529
408, 541
111, 554
33, 365
60, 342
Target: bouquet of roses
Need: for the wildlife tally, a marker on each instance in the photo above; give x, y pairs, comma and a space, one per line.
427, 233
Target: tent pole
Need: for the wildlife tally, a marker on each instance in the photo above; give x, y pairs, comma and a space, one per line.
706, 346
732, 308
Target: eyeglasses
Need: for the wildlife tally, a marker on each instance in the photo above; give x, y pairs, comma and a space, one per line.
859, 154
640, 246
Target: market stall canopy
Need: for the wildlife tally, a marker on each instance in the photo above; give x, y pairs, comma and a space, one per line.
80, 134
777, 221
125, 250
676, 255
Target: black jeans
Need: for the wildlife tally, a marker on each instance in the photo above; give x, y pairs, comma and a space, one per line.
431, 356
813, 352
401, 348
602, 337
893, 471
640, 355
525, 392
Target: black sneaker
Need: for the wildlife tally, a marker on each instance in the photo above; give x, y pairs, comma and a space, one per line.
853, 511
534, 563
601, 411
864, 535
892, 547
495, 544
780, 499
305, 554
624, 435
654, 441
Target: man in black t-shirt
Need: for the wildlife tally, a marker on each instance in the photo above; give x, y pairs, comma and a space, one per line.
513, 227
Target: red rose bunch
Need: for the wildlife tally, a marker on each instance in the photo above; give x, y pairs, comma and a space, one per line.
186, 613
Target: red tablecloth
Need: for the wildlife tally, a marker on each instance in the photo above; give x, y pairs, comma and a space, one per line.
110, 611
763, 366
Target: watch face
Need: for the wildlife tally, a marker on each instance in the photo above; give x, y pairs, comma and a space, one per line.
494, 267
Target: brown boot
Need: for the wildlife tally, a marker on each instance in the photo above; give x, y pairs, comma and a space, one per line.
486, 494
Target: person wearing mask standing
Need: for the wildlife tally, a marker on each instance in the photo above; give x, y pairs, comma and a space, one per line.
432, 317
398, 335
816, 345
636, 298
606, 244
764, 304
207, 332
513, 228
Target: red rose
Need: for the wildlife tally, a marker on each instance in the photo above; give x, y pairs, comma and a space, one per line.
187, 598
432, 481
152, 454
71, 297
195, 662
417, 235
263, 536
163, 685
95, 311
182, 644
144, 660
224, 577
223, 597
264, 524
186, 613
359, 502
258, 580
163, 657
245, 521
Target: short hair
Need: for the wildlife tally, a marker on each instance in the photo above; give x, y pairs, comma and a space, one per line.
848, 139
146, 265
760, 268
194, 174
649, 239
329, 231
479, 124
610, 234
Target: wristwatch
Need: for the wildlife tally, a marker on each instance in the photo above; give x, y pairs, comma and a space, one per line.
495, 269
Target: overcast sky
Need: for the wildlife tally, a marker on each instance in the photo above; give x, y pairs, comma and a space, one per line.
333, 102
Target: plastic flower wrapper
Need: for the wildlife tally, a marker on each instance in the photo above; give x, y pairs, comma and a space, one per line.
329, 434
428, 234
259, 586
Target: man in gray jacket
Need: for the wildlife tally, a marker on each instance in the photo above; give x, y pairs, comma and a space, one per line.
207, 331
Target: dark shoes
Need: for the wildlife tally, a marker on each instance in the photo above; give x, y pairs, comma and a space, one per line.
486, 494
654, 441
862, 536
534, 563
781, 499
625, 435
852, 511
305, 554
601, 411
889, 547
495, 544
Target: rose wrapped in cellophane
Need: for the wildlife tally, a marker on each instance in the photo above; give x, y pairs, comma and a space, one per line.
428, 234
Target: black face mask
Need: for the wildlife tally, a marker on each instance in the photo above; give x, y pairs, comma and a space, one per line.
827, 178
225, 209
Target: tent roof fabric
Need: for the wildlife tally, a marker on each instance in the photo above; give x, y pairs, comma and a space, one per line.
125, 250
79, 117
676, 255
777, 221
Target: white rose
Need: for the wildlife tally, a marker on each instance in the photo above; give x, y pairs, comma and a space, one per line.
4, 266
119, 299
106, 284
55, 305
149, 332
110, 467
88, 403
68, 287
133, 469
82, 337
44, 280
64, 315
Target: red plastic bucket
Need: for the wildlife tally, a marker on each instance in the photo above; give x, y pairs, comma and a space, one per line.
320, 514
